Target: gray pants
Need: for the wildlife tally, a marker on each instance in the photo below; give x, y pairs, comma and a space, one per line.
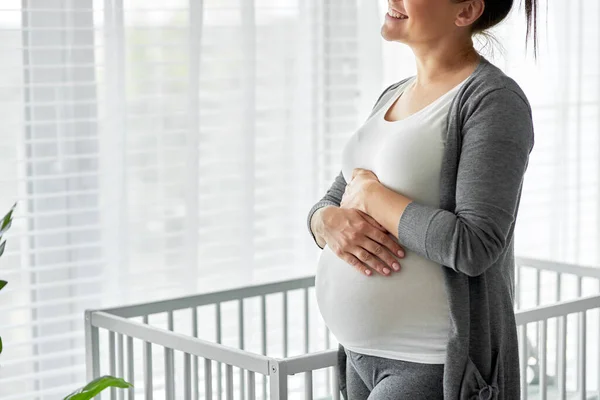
376, 378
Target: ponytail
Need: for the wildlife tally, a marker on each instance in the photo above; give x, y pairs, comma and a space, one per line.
496, 10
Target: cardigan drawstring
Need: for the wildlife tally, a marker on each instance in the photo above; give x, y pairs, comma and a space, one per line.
486, 393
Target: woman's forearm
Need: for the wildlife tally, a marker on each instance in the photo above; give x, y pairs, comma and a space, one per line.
385, 206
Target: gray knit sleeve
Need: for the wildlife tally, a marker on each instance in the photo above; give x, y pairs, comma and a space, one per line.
497, 138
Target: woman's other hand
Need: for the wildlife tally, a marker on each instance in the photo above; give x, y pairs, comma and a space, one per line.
359, 240
356, 190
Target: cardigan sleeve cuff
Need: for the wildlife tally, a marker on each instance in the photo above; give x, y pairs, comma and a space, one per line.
413, 226
320, 204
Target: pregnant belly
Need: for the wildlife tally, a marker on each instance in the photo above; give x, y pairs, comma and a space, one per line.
361, 311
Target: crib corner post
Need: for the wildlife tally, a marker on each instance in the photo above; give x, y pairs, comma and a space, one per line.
92, 348
278, 380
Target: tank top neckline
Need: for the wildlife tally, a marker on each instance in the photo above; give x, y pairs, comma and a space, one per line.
416, 114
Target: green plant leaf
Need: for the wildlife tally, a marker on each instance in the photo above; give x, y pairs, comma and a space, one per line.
7, 220
0, 345
96, 386
2, 284
3, 229
2, 246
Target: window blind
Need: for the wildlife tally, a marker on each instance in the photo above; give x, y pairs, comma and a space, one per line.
54, 261
157, 149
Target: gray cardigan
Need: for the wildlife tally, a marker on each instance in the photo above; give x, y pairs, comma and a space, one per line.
489, 139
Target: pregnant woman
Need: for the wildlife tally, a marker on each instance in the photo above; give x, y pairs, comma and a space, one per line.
416, 276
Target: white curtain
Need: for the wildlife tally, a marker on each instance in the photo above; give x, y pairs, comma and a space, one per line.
157, 149
162, 148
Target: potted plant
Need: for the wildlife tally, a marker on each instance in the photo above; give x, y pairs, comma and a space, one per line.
92, 388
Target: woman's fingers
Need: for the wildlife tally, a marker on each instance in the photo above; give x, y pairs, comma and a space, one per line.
363, 243
355, 262
370, 260
384, 239
379, 248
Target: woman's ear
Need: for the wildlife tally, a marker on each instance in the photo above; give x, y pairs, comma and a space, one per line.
469, 11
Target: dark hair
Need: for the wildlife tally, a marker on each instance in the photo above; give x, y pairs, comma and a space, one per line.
496, 10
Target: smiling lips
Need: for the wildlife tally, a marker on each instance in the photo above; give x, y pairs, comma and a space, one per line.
396, 14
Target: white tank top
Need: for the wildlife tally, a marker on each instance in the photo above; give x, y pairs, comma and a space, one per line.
403, 316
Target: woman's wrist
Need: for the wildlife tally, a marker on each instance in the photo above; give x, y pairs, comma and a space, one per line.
372, 190
317, 224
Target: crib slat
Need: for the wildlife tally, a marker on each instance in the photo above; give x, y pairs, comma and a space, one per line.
557, 298
557, 324
327, 345
582, 356
121, 364
219, 377
523, 359
241, 336
580, 376
169, 364
538, 286
148, 389
562, 357
169, 374
112, 362
559, 277
285, 323
538, 278
263, 320
170, 320
228, 381
306, 326
207, 379
308, 385
542, 348
195, 377
336, 383
251, 386
581, 334
187, 377
130, 367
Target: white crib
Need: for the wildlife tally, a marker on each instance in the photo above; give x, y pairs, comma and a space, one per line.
282, 349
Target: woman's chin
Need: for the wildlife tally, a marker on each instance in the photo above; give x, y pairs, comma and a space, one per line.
390, 36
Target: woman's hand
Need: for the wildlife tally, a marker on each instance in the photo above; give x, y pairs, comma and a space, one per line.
355, 193
359, 240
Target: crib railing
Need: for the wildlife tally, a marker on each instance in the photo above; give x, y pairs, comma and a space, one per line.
123, 341
120, 327
548, 312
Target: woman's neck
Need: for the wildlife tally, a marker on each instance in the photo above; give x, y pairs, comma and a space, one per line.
448, 65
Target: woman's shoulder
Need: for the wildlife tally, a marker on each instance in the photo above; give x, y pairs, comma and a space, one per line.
498, 101
487, 80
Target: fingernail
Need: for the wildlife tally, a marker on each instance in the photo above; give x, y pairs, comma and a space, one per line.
368, 272
396, 266
400, 253
386, 271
